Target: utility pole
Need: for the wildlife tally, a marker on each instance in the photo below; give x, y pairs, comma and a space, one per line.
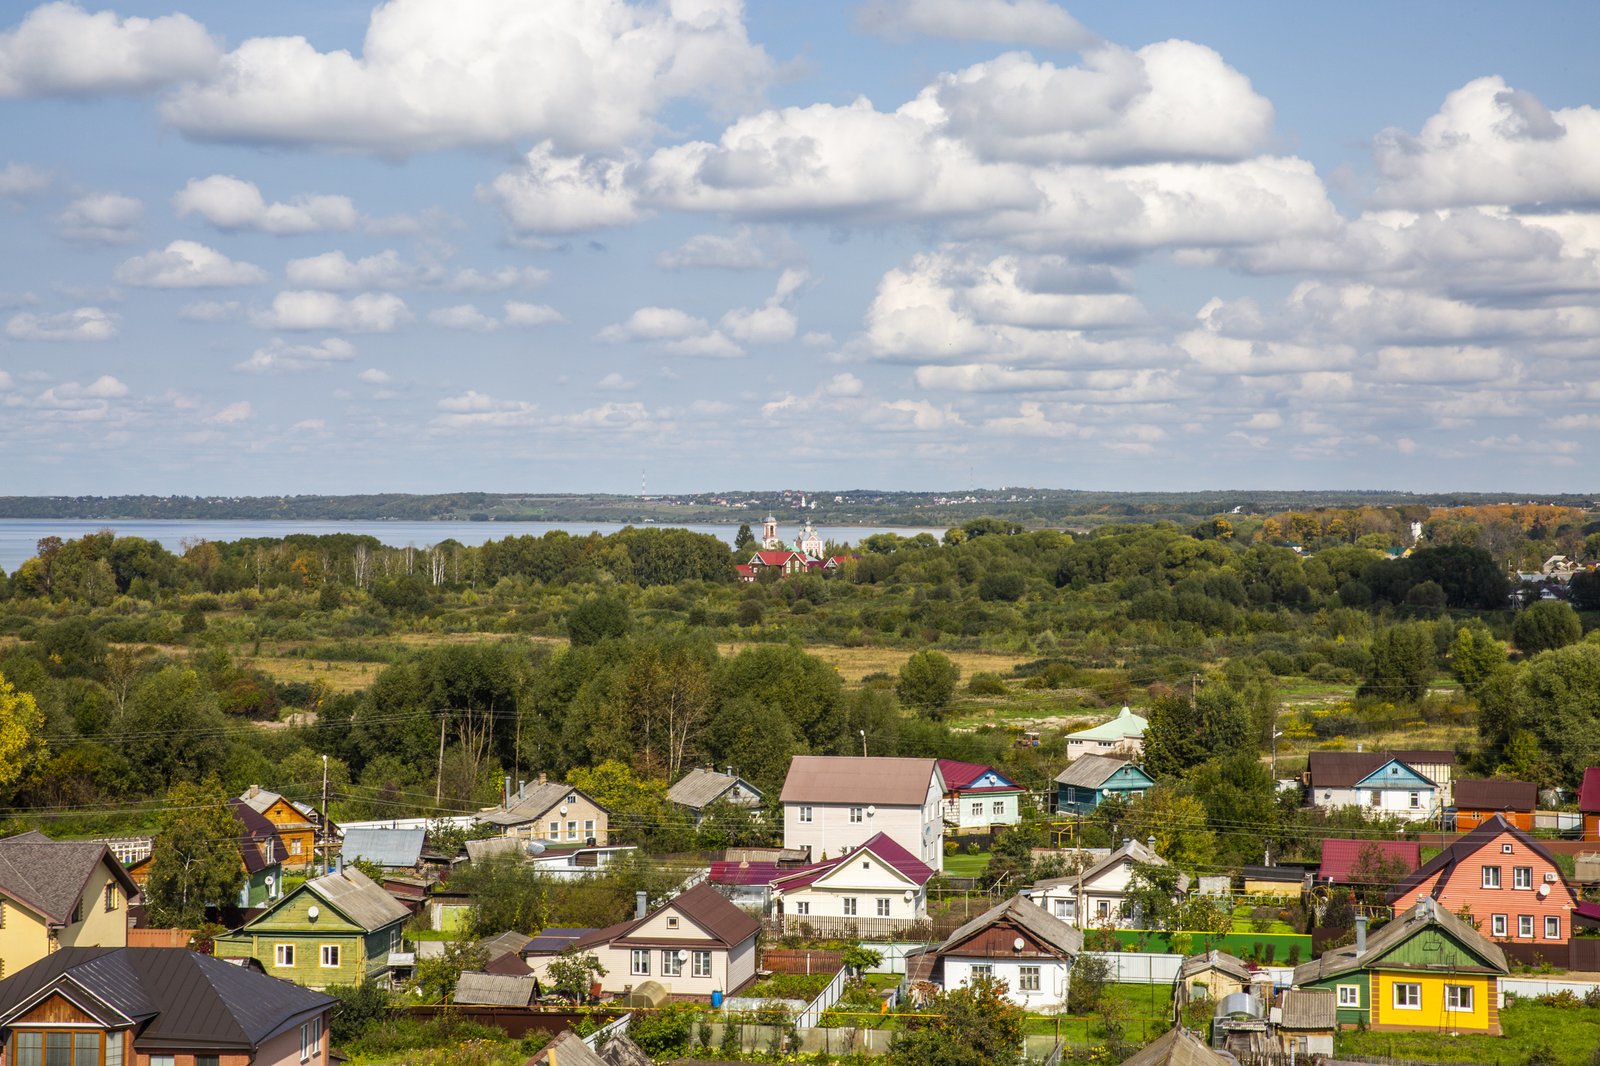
438, 781
1194, 691
863, 743
323, 826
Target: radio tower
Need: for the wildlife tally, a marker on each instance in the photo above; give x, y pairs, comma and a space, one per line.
642, 494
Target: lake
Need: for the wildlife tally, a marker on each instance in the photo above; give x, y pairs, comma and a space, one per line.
19, 537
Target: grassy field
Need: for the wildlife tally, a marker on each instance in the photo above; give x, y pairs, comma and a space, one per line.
1145, 1012
962, 865
854, 664
1572, 1033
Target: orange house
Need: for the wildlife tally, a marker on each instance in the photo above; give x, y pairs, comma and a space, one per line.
1503, 878
297, 825
1478, 801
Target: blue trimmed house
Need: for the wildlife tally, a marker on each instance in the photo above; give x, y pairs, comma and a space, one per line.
1085, 784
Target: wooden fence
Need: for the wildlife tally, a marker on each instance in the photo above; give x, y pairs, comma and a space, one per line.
800, 960
159, 938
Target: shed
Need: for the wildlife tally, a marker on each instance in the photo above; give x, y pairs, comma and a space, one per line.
495, 990
1306, 1019
1178, 1047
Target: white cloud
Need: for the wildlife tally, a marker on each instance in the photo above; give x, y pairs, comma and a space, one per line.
335, 270
187, 265
614, 382
83, 324
843, 385
1492, 144
760, 325
211, 311
281, 355
473, 280
1032, 420
101, 218
19, 181
309, 425
232, 414
913, 414
749, 248
61, 50
475, 410
526, 314
713, 345
72, 402
1021, 21
432, 74
654, 324
557, 194
463, 317
231, 203
367, 313
374, 376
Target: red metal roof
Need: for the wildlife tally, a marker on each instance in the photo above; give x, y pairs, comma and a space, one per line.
746, 873
1339, 857
881, 845
1589, 792
774, 558
958, 775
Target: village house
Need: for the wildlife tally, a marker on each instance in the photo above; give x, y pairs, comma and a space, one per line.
300, 827
393, 850
1478, 801
261, 851
1015, 943
1375, 782
978, 797
56, 895
1092, 779
1507, 881
1425, 971
703, 786
549, 811
157, 1007
1210, 977
834, 803
878, 887
1122, 735
693, 945
1178, 1047
338, 929
1305, 1021
1094, 898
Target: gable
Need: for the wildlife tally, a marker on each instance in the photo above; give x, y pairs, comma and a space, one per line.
291, 914
1432, 947
1395, 774
999, 940
57, 1009
862, 867
1129, 776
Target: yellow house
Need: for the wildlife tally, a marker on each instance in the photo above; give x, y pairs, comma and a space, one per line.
59, 894
1427, 970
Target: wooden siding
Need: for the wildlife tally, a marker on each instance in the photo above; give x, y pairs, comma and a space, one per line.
361, 954
1464, 891
56, 1010
1468, 820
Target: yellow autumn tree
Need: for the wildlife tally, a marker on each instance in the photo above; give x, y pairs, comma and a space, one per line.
21, 744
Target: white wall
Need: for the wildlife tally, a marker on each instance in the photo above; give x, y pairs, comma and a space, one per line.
864, 879
1052, 978
831, 832
1395, 802
960, 811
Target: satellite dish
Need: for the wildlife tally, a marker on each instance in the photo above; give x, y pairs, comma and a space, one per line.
871, 810
910, 895
312, 913
1544, 890
1018, 944
682, 954
563, 808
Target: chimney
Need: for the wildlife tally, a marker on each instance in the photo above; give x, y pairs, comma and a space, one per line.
1360, 746
252, 792
543, 779
1361, 935
522, 789
508, 793
641, 904
1150, 842
729, 771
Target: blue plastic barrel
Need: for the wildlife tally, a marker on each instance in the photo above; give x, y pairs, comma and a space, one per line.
716, 997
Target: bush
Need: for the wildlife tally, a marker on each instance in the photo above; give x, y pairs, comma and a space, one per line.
359, 1008
1086, 983
664, 1032
985, 683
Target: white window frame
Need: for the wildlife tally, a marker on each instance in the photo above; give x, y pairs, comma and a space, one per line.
1028, 978
998, 807
1556, 919
282, 956
316, 1036
977, 809
1458, 998
588, 828
555, 830
982, 971
883, 906
1525, 926
1349, 995
802, 907
305, 1043
849, 906
671, 965
701, 961
1490, 877
1522, 877
324, 955
1497, 925
857, 815
805, 814
572, 829
1416, 801
639, 962
1102, 908
1407, 995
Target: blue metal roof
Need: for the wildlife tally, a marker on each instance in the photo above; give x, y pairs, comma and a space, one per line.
392, 849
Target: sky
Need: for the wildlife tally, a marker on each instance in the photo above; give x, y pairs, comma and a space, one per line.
690, 245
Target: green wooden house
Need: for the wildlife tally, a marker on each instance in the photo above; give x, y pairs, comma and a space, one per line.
339, 929
1092, 779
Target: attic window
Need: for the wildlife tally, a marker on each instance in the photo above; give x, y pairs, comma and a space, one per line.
1505, 849
672, 923
865, 865
1394, 771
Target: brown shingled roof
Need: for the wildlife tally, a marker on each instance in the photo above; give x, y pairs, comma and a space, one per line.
48, 876
891, 782
1496, 795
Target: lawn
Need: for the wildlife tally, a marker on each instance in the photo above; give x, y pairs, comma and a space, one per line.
963, 865
1144, 1010
806, 986
1572, 1034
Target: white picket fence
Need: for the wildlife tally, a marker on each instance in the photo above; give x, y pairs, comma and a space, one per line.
812, 1015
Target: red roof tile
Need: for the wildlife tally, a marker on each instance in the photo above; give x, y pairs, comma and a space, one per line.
1339, 857
746, 873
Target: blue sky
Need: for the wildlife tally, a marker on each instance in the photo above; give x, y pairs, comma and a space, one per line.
430, 246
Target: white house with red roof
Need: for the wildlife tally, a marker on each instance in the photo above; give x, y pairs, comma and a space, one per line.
978, 797
784, 560
877, 887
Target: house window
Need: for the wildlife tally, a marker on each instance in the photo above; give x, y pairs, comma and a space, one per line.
1349, 995
1497, 925
1552, 927
977, 809
1407, 996
998, 807
1522, 877
572, 829
671, 965
1374, 797
171, 1060
305, 1045
316, 1039
850, 906
2, 914
1102, 908
1458, 997
672, 923
702, 963
294, 847
1065, 909
111, 898
1028, 979
588, 828
201, 1060
856, 814
982, 971
283, 955
1524, 925
1505, 849
805, 814
330, 956
802, 908
113, 1055
883, 907
77, 911
1416, 801
555, 830
1491, 877
395, 939
640, 959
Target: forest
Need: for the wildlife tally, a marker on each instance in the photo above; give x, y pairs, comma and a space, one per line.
618, 662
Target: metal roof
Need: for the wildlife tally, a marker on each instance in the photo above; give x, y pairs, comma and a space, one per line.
1042, 925
359, 898
702, 786
1090, 771
1340, 857
533, 804
885, 847
186, 1000
1125, 724
1309, 1008
398, 849
1495, 795
48, 876
495, 990
1220, 961
1403, 927
837, 779
567, 1049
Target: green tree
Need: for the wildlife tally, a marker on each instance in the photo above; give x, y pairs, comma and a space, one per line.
1185, 730
1178, 824
974, 1025
1152, 897
1544, 626
1402, 663
173, 730
573, 972
438, 976
195, 859
1376, 873
21, 744
598, 618
1086, 983
1474, 655
927, 682
744, 541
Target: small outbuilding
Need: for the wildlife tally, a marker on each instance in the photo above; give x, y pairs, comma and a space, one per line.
1305, 1020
